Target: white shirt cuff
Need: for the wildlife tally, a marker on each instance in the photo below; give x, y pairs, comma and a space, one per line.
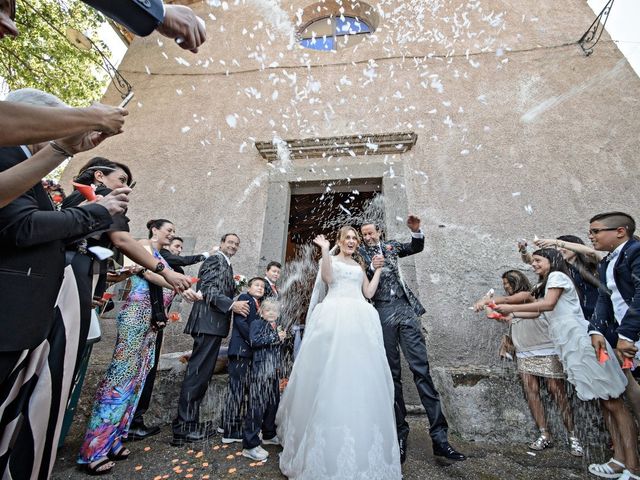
595, 332
625, 338
418, 234
205, 254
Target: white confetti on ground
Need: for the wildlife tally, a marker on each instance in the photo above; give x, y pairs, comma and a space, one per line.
185, 129
232, 121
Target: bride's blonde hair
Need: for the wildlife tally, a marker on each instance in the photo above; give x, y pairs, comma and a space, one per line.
342, 233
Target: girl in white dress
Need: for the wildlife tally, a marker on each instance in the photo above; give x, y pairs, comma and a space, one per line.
559, 303
335, 419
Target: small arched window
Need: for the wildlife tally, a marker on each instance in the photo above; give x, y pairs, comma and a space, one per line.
333, 33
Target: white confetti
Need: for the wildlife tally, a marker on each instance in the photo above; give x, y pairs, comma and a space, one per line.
232, 121
185, 129
344, 209
528, 209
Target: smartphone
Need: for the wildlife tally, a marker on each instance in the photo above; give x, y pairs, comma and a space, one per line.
126, 99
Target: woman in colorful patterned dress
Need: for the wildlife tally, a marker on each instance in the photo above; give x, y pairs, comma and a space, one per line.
119, 390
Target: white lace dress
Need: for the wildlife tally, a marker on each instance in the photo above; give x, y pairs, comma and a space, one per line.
335, 419
568, 330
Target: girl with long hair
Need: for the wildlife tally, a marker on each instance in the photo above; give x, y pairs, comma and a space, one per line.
537, 361
583, 267
557, 300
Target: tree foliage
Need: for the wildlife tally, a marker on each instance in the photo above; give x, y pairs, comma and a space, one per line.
42, 57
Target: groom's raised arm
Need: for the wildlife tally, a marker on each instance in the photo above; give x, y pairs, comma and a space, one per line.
416, 245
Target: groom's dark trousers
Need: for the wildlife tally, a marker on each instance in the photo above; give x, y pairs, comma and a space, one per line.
401, 328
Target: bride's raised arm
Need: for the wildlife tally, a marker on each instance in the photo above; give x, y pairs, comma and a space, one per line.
325, 263
369, 287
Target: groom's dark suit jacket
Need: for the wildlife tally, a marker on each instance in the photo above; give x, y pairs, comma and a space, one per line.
212, 316
32, 258
392, 250
626, 274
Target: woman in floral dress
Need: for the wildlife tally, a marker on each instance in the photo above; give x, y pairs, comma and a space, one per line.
119, 391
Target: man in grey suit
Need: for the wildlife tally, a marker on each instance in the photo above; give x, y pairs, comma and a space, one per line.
399, 311
208, 324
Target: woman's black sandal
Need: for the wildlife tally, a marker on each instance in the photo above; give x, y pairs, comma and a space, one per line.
94, 468
122, 453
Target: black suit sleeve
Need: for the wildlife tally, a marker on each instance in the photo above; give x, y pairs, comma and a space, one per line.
139, 16
416, 245
630, 323
28, 226
180, 261
240, 322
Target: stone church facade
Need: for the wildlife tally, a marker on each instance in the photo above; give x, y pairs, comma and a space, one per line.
484, 118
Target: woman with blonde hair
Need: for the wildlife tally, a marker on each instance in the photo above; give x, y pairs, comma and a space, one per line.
336, 417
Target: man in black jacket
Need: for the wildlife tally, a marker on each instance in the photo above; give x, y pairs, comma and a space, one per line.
399, 310
138, 430
208, 324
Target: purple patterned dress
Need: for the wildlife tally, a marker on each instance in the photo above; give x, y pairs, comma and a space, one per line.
119, 391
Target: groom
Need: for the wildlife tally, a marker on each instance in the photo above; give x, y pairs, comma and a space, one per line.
399, 310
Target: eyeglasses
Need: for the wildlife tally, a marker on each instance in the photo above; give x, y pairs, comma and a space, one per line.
595, 231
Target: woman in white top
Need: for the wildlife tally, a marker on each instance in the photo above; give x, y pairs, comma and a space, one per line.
537, 361
558, 301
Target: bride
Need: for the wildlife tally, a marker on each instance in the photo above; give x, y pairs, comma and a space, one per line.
336, 420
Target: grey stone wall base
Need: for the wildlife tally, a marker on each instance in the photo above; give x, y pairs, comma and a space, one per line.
481, 404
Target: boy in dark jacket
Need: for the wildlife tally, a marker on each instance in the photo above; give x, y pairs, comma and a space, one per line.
264, 390
240, 355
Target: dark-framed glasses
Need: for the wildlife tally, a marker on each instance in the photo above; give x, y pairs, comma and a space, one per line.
595, 231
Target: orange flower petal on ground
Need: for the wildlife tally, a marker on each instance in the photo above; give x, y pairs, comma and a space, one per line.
138, 468
146, 449
205, 464
199, 454
230, 457
217, 447
232, 470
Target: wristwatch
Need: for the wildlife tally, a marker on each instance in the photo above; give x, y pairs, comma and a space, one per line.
159, 267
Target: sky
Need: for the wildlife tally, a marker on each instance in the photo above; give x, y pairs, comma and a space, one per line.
622, 26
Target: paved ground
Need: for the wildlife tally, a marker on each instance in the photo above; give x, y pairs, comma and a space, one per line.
156, 459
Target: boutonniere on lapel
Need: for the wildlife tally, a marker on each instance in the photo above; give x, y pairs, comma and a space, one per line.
389, 248
241, 282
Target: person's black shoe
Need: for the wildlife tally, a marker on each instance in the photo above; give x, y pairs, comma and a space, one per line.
402, 443
140, 432
447, 451
180, 439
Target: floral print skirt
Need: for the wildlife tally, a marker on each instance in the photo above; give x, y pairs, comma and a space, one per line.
119, 391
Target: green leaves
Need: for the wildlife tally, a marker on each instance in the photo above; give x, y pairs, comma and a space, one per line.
42, 57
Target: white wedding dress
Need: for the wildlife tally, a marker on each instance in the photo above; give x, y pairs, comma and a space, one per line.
336, 418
